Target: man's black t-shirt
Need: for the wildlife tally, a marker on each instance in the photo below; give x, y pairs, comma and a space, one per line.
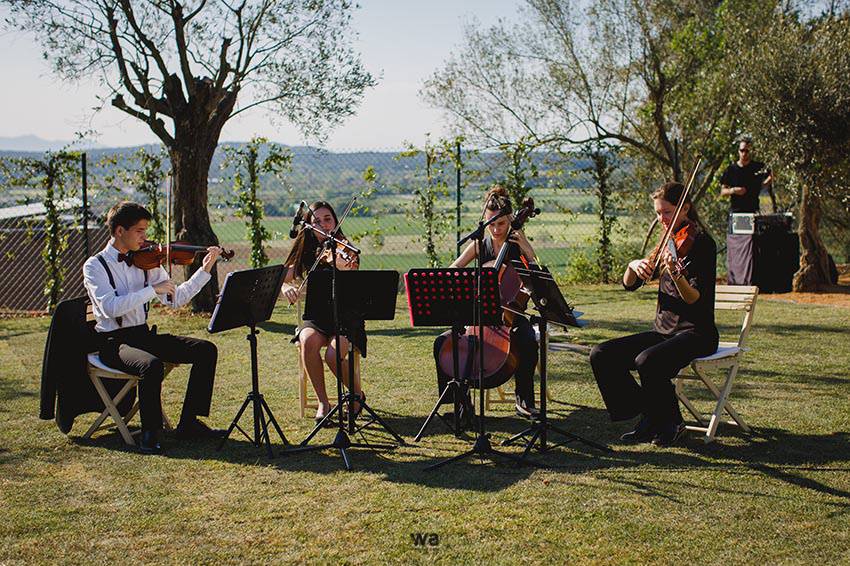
750, 176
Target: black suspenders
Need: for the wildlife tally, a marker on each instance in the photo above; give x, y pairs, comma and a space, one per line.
102, 261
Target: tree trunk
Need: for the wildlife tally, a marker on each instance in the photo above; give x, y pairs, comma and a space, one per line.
197, 127
190, 163
814, 265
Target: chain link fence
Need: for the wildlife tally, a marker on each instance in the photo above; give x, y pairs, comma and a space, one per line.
387, 221
387, 225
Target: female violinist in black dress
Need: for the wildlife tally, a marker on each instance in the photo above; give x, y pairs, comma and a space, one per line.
684, 329
317, 334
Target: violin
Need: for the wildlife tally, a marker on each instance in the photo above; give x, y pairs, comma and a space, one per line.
346, 259
679, 246
501, 356
151, 255
683, 239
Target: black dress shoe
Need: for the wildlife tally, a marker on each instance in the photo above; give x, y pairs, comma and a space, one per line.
643, 432
330, 423
670, 434
149, 442
526, 410
194, 429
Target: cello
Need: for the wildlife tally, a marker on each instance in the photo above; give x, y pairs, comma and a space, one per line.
501, 357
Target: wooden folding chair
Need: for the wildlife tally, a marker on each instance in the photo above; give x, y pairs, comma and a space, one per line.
306, 399
98, 371
727, 358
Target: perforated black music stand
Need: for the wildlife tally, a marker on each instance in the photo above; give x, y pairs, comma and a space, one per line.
360, 295
482, 447
446, 297
551, 307
247, 298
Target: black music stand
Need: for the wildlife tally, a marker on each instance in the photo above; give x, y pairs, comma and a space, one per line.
247, 298
551, 307
482, 447
446, 297
359, 296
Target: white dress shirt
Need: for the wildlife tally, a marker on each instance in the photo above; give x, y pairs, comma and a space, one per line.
132, 294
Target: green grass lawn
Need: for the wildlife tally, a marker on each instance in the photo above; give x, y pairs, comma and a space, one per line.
557, 225
781, 495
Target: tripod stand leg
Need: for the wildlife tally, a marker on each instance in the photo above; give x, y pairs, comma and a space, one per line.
518, 436
234, 422
380, 421
265, 426
530, 444
274, 422
450, 460
345, 460
320, 425
575, 437
433, 412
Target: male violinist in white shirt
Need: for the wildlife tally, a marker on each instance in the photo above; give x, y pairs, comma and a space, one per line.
120, 294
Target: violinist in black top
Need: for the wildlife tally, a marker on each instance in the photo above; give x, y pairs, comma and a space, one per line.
314, 335
684, 329
521, 332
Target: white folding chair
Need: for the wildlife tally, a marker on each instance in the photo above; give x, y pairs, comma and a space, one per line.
98, 371
727, 358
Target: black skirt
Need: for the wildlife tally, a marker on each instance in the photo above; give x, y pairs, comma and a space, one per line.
356, 332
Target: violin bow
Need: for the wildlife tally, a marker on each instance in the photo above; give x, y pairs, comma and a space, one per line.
168, 222
669, 231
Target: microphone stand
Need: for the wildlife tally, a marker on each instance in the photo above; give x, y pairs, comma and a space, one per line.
482, 446
341, 441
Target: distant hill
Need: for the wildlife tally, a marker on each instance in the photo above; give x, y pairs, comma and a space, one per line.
30, 143
333, 175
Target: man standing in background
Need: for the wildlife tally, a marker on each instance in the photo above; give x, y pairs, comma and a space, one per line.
743, 182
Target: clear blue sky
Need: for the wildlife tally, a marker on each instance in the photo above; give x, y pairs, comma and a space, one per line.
404, 41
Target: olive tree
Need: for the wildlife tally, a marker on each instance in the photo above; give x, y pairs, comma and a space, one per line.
184, 68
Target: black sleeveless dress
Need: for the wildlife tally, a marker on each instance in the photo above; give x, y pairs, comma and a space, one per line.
353, 330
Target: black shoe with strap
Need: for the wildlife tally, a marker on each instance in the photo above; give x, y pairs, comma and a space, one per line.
194, 429
149, 442
643, 432
526, 409
670, 434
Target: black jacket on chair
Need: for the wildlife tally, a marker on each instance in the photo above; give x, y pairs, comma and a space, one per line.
66, 390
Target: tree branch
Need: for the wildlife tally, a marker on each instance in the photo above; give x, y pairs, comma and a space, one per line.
180, 40
155, 124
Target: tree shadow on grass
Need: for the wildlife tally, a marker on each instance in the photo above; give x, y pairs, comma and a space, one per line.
277, 327
773, 453
403, 464
794, 330
11, 390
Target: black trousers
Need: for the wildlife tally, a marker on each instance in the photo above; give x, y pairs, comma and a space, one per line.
522, 333
141, 351
657, 358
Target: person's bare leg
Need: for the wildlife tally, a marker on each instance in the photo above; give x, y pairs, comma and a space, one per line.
330, 358
312, 342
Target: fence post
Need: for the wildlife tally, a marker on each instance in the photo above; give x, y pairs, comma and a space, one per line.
84, 172
457, 188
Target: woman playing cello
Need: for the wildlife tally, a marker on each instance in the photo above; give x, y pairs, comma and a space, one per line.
314, 335
521, 332
684, 326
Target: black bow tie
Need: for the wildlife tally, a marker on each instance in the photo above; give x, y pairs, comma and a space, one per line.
126, 258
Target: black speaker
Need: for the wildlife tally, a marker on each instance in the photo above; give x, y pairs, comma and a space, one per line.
776, 258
